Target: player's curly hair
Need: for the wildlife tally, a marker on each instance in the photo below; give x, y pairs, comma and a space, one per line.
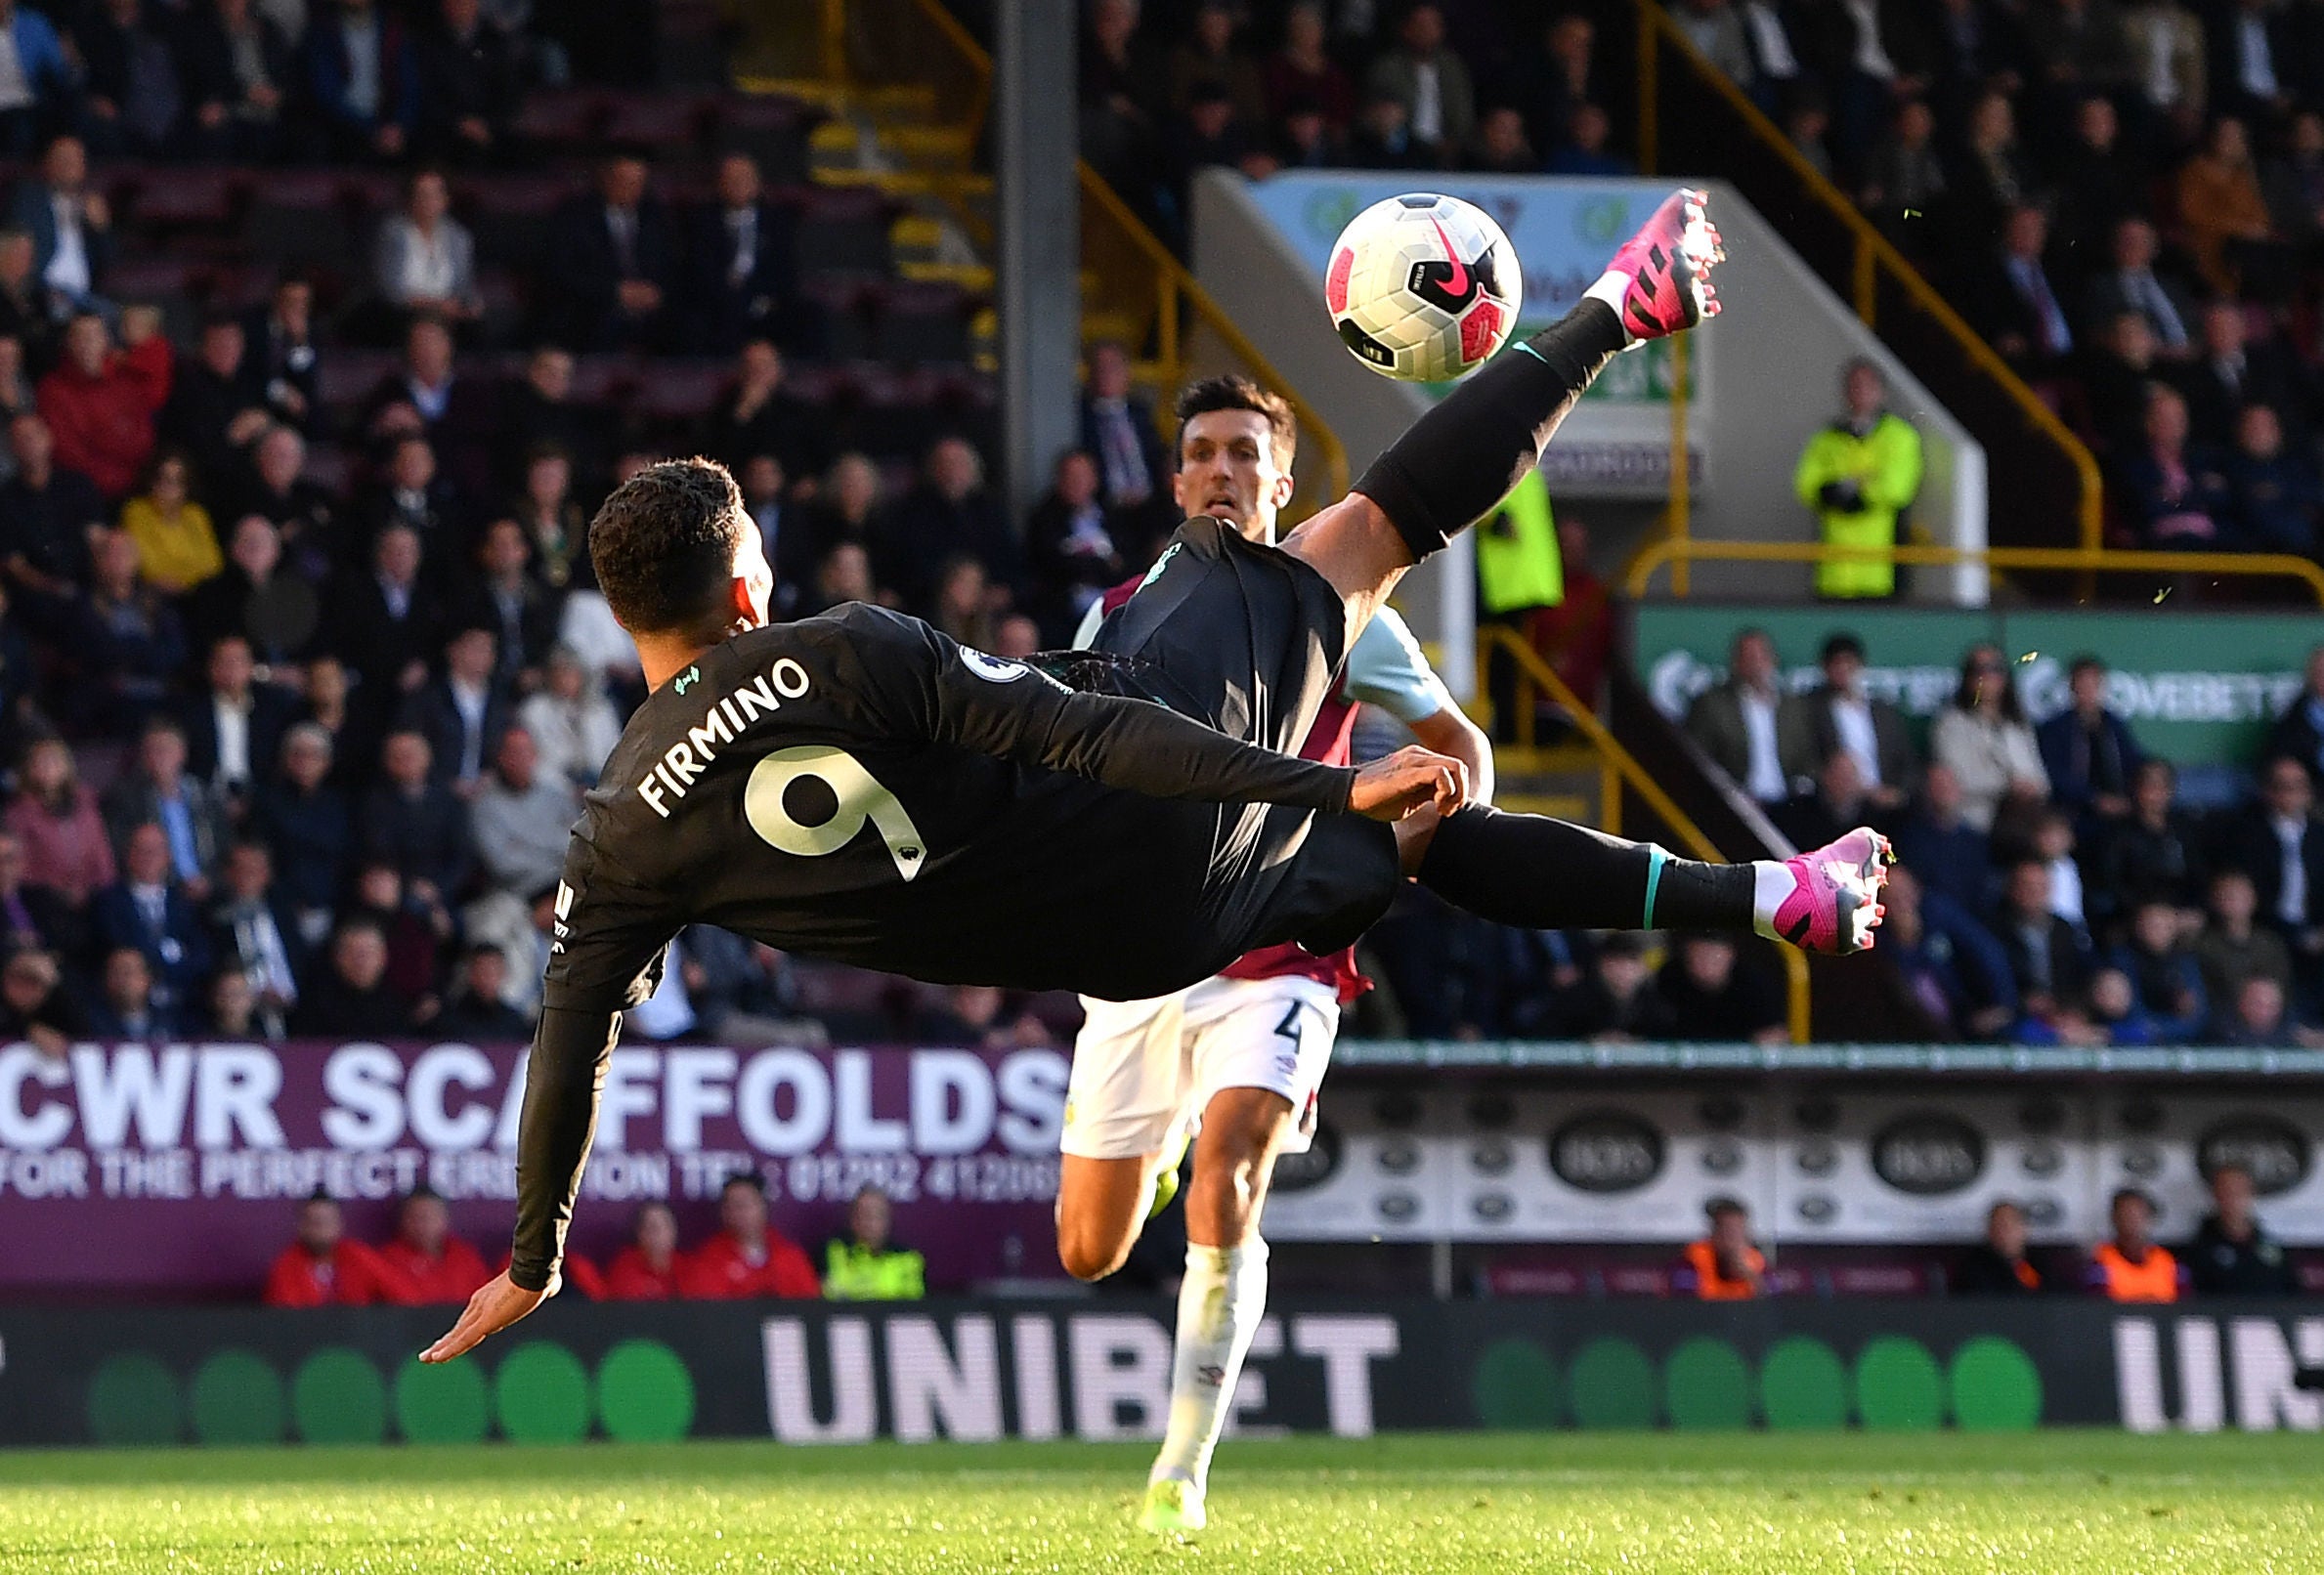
663, 547
1231, 390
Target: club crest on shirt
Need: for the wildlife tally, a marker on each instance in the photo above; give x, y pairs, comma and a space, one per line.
999, 669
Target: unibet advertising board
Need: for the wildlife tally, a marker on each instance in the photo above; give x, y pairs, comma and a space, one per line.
2200, 689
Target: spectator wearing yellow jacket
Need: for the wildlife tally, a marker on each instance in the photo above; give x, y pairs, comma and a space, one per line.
1859, 474
866, 1264
177, 549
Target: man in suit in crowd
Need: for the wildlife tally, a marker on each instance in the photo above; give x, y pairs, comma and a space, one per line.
462, 710
234, 728
1839, 716
614, 262
149, 911
746, 272
1735, 721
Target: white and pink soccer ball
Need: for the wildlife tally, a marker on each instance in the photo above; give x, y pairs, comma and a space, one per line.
1423, 287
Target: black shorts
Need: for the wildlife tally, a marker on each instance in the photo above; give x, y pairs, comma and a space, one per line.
1250, 639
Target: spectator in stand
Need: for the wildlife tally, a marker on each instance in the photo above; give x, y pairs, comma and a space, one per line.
2113, 1011
1713, 997
131, 97
418, 926
255, 935
2228, 373
2088, 750
2049, 957
2150, 854
160, 792
556, 531
865, 1264
1576, 637
1301, 71
305, 820
648, 1265
55, 822
1383, 139
1982, 738
949, 513
176, 546
2114, 379
1209, 58
843, 575
522, 820
470, 85
1724, 1266
1617, 1001
1117, 426
614, 255
2260, 1018
1837, 717
282, 338
1734, 721
479, 1013
42, 83
1500, 146
35, 1007
1992, 182
2273, 492
128, 1006
2233, 1254
1953, 976
152, 912
1430, 82
363, 80
322, 1266
962, 608
306, 516
349, 998
72, 226
48, 515
2294, 183
2233, 947
1120, 102
745, 282
2299, 734
1070, 554
234, 727
239, 69
99, 403
424, 1263
423, 263
28, 915
754, 415
2099, 178
2129, 284
1904, 182
541, 412
1835, 803
123, 640
1998, 1267
1715, 29
2278, 843
416, 823
462, 712
1559, 77
571, 721
749, 1257
2168, 53
2222, 212
1585, 147
2164, 971
2131, 1267
386, 628
2020, 310
217, 404
518, 610
454, 413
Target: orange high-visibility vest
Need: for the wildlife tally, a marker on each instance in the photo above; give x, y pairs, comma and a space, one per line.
1712, 1286
2154, 1278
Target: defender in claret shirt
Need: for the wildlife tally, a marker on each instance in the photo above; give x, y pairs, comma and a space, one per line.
1123, 822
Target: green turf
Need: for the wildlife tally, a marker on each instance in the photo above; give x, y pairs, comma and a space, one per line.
1634, 1504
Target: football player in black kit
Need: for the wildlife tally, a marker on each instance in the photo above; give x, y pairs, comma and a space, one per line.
1120, 823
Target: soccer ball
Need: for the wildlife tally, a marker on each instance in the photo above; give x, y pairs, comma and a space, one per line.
1423, 287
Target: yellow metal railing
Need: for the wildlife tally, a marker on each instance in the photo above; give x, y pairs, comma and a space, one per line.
1620, 764
1874, 255
2084, 559
1140, 279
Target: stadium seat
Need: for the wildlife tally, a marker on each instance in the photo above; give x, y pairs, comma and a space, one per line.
664, 124
563, 119
920, 321
678, 390
509, 215
295, 218
844, 231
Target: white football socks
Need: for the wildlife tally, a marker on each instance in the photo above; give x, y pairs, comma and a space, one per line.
1220, 1303
1771, 886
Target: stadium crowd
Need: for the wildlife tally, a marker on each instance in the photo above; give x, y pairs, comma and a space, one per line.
749, 1257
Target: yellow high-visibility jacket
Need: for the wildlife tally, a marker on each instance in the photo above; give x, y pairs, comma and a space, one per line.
1884, 463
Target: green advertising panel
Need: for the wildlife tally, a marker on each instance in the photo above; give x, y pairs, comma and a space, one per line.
2198, 688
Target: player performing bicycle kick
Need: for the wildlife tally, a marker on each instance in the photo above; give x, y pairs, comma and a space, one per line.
1123, 822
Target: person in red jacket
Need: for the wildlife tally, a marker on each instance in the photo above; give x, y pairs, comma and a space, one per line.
426, 1263
648, 1268
323, 1268
748, 1257
101, 403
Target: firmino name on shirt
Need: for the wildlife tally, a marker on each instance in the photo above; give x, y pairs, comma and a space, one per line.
724, 720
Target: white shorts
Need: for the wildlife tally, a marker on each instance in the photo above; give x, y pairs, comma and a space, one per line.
1140, 1068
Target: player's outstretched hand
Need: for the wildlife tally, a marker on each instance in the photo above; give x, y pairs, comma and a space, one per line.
497, 1303
1393, 785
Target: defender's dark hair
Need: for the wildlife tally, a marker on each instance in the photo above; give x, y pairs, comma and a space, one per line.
1231, 390
663, 547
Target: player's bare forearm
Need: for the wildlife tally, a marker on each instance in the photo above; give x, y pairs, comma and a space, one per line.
1450, 732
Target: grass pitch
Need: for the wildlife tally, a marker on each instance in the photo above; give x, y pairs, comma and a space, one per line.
1639, 1505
